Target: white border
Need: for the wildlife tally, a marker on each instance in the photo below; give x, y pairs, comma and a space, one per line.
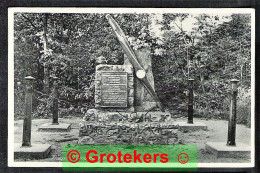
11, 12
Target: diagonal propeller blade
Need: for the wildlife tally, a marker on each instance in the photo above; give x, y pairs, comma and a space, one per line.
140, 72
150, 89
124, 43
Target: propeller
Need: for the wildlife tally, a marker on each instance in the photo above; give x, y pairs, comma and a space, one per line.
139, 70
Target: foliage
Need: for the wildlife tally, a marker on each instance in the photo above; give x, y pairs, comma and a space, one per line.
212, 52
212, 49
244, 106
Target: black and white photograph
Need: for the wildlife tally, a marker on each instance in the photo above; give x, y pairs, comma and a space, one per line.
131, 76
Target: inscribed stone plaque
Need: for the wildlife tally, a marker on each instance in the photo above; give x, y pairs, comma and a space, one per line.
113, 89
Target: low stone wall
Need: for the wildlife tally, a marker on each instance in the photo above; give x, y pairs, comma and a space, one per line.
115, 128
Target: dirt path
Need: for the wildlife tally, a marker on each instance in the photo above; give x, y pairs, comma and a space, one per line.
217, 131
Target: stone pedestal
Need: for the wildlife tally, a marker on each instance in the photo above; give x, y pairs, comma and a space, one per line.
49, 127
220, 149
182, 126
35, 151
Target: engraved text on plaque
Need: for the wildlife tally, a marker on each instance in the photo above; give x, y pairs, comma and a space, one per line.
113, 89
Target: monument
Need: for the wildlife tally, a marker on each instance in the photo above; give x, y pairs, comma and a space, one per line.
127, 108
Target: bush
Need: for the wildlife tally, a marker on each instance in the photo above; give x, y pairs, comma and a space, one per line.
19, 105
244, 106
243, 109
44, 108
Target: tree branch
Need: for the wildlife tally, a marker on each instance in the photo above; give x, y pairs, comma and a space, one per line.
29, 20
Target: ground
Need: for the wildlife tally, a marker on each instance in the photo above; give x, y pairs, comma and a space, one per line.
217, 131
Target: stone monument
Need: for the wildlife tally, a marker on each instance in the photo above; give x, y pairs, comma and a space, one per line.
127, 108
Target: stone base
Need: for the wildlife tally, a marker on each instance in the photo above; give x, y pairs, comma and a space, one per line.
36, 151
105, 116
95, 133
49, 127
125, 128
220, 149
182, 126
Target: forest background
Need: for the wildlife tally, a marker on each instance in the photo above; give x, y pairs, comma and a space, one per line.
210, 48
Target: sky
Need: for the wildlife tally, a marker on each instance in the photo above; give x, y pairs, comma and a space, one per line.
187, 24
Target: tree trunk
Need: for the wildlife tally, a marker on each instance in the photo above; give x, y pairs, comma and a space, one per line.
241, 73
45, 43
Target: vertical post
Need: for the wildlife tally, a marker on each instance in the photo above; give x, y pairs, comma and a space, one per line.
55, 102
232, 116
190, 103
27, 123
